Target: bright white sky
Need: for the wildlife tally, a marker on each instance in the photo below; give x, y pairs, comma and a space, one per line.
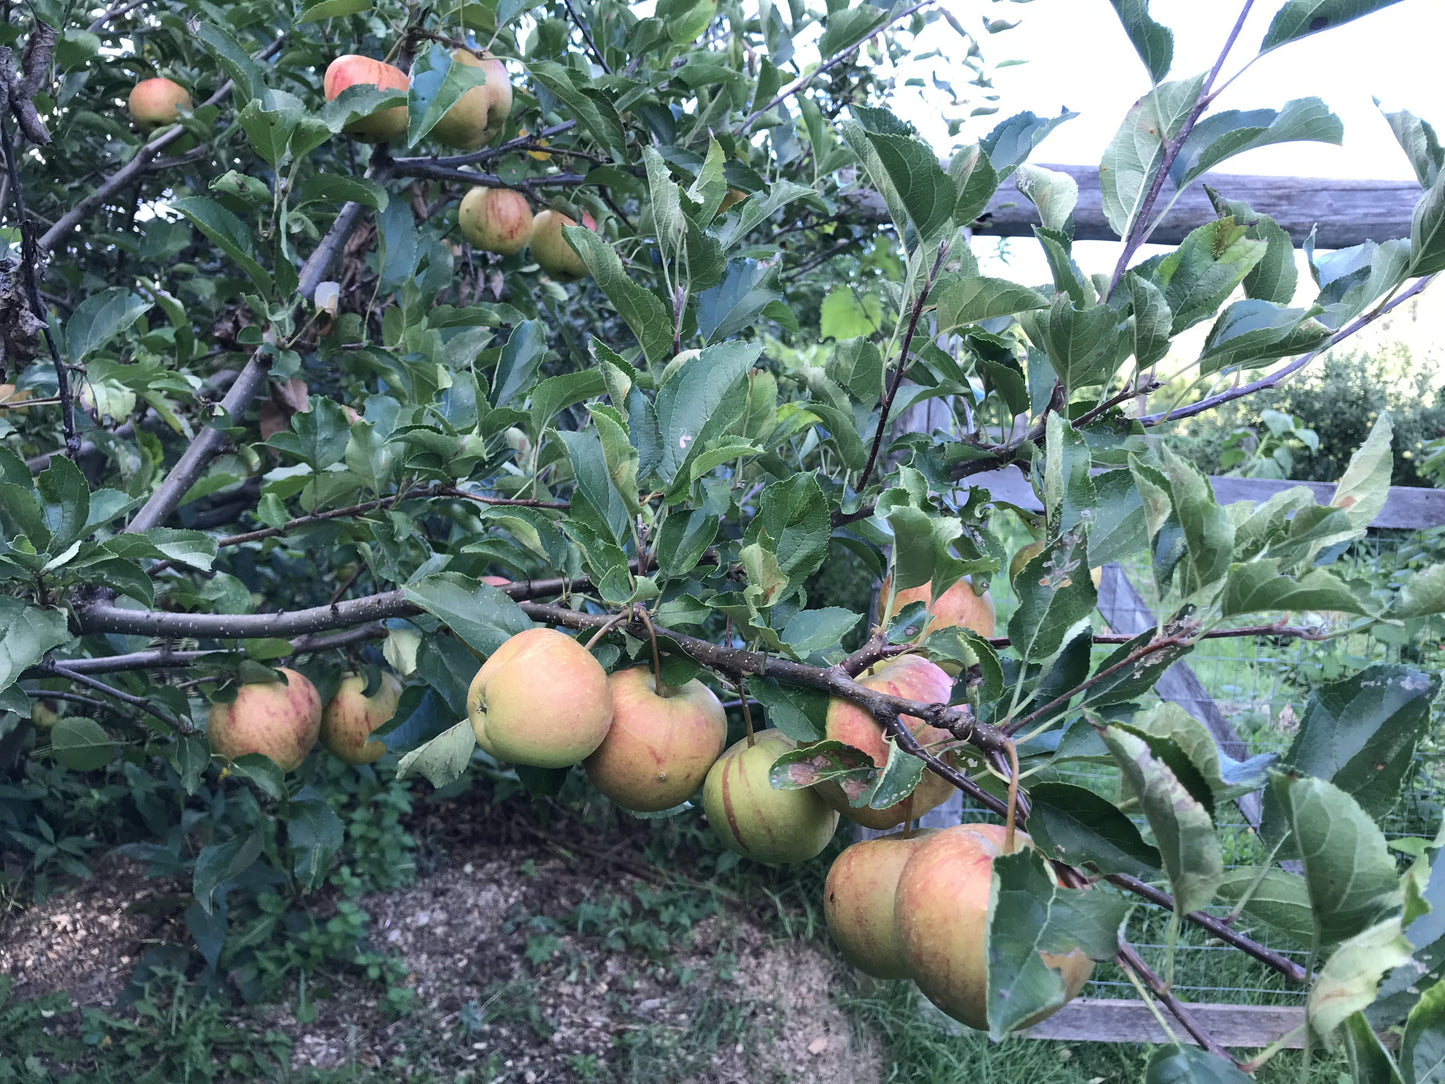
1079, 57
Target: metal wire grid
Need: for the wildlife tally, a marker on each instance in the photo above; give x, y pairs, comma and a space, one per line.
1261, 685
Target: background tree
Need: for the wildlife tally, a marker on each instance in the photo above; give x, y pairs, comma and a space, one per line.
279, 414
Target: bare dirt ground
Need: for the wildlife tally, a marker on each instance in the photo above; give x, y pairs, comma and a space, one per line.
505, 987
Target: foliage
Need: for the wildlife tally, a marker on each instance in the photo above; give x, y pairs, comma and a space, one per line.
277, 414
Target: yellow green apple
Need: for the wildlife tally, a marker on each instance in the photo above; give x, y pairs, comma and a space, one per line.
350, 717
858, 902
750, 817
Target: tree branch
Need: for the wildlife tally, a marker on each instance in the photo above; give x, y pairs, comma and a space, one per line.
1279, 375
587, 36
1130, 960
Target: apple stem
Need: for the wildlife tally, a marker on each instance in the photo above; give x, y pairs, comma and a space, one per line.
656, 656
1013, 797
747, 712
908, 823
603, 630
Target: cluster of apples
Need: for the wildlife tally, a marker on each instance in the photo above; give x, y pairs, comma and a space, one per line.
499, 220
284, 720
472, 122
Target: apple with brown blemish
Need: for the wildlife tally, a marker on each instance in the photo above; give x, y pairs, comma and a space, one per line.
661, 743
280, 720
754, 819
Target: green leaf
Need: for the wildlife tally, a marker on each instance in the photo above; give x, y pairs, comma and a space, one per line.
793, 523
1418, 140
1251, 332
218, 863
194, 549
314, 834
65, 502
1119, 531
1029, 915
1278, 899
234, 59
1150, 320
26, 634
1084, 346
858, 366
1361, 733
521, 357
1077, 826
1053, 603
333, 9
1370, 1062
977, 298
1300, 18
1422, 1052
906, 173
1069, 497
228, 233
1208, 529
797, 711
1153, 42
1190, 750
643, 310
704, 390
1183, 829
593, 113
1275, 276
1204, 270
1054, 194
1365, 486
480, 614
1259, 586
1012, 140
1189, 1065
849, 315
99, 318
1223, 135
81, 744
595, 499
682, 541
1136, 152
1348, 981
1421, 594
748, 287
1348, 869
808, 631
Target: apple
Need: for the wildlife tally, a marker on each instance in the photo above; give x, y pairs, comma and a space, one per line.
10, 398
914, 678
942, 915
478, 115
858, 902
495, 219
154, 102
550, 248
958, 607
276, 719
349, 719
1032, 550
750, 817
659, 747
385, 125
541, 699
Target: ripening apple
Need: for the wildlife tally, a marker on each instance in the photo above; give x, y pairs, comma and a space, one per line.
479, 114
385, 125
495, 219
276, 719
659, 747
914, 678
942, 914
351, 716
154, 102
550, 248
750, 817
958, 607
858, 902
541, 699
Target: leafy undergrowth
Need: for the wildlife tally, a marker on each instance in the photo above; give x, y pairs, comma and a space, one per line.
544, 941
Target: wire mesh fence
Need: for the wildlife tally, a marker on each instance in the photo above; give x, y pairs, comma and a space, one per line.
1259, 686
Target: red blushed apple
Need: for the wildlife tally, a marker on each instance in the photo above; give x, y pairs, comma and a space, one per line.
750, 817
278, 720
958, 607
659, 747
858, 902
914, 678
385, 125
154, 102
541, 699
349, 719
495, 220
942, 915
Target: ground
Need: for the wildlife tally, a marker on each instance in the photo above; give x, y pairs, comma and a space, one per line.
527, 959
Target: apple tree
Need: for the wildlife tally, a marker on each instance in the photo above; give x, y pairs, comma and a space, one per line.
267, 406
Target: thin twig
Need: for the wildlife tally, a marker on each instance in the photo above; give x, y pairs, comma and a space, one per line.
54, 669
587, 36
1130, 959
